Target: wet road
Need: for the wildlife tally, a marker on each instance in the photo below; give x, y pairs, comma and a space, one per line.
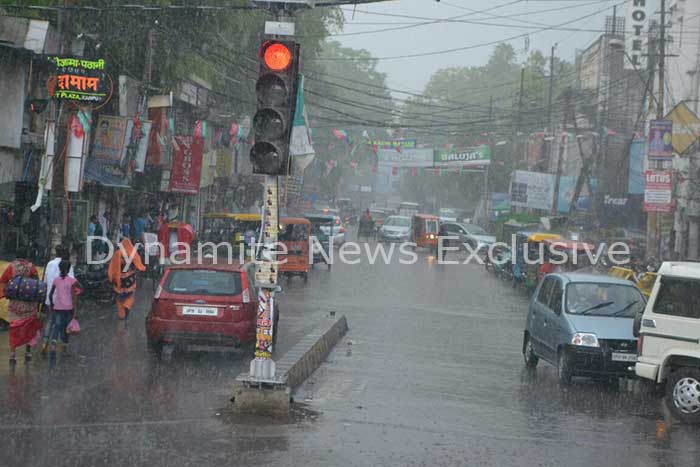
429, 374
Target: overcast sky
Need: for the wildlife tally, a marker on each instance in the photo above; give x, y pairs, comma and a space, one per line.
506, 18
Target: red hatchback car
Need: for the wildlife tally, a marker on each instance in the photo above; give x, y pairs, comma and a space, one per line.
204, 305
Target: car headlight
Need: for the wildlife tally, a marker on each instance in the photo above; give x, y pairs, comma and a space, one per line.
585, 339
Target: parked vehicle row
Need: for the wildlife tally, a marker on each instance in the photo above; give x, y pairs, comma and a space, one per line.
602, 326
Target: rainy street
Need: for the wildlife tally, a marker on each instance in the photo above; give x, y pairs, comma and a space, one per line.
430, 374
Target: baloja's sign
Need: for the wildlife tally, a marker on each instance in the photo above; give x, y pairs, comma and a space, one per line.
80, 80
480, 155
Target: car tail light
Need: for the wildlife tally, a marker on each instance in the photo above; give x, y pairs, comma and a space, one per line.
640, 342
164, 309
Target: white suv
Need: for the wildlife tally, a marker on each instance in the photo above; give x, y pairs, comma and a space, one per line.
669, 338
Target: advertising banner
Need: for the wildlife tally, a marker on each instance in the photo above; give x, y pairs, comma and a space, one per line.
635, 181
532, 190
658, 191
406, 158
478, 156
567, 187
660, 139
80, 80
107, 162
186, 170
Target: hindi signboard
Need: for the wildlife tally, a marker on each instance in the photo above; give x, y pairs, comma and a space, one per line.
80, 80
658, 191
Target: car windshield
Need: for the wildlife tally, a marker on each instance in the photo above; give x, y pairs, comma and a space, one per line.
603, 299
475, 230
397, 222
202, 282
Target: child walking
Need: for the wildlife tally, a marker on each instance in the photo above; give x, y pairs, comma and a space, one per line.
62, 299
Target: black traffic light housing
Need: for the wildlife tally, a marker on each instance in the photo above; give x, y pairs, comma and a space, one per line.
276, 91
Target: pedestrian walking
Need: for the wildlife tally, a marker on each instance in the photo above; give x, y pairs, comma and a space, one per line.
51, 272
125, 228
63, 307
122, 274
25, 326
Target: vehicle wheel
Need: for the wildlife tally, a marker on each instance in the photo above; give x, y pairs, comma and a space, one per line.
154, 348
329, 266
529, 356
305, 276
564, 368
683, 394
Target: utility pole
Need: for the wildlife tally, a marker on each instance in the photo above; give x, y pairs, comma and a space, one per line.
487, 195
557, 181
519, 121
653, 237
550, 130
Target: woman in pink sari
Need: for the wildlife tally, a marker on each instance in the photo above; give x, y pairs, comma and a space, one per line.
25, 326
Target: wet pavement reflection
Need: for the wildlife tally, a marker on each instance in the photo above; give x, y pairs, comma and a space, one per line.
430, 374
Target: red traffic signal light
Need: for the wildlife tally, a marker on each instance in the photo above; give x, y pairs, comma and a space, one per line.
276, 90
276, 56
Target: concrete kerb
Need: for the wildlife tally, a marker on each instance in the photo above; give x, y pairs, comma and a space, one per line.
273, 397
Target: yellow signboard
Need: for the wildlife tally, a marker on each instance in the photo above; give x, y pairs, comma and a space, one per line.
686, 127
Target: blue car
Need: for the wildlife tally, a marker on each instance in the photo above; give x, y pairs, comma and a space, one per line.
582, 324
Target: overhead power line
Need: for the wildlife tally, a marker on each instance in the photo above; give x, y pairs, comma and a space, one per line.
474, 46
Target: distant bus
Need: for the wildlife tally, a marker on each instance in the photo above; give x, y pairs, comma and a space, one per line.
408, 209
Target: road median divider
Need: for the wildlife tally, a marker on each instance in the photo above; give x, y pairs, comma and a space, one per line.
272, 397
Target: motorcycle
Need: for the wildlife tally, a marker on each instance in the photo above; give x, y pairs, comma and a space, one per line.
95, 282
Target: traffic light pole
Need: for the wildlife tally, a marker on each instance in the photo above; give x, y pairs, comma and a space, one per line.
262, 367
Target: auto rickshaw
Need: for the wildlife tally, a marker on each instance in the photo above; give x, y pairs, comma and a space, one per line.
172, 233
321, 227
236, 229
294, 234
424, 230
378, 215
526, 274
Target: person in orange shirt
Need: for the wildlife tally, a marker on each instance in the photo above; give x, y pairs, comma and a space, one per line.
122, 274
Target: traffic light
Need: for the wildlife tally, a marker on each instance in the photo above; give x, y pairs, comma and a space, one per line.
276, 91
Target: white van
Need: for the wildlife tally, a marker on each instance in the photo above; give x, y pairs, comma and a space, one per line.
669, 338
